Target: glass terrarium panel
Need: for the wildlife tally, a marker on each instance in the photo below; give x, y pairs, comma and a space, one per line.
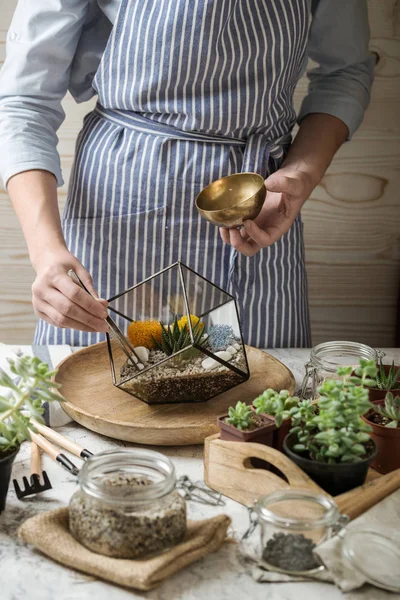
202, 295
185, 339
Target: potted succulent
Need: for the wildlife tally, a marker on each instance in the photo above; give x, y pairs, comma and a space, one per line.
330, 441
273, 404
33, 386
384, 419
387, 380
242, 424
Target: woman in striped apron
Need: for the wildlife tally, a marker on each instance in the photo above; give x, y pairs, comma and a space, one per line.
189, 92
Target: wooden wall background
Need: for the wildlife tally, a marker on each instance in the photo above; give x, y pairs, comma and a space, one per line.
352, 220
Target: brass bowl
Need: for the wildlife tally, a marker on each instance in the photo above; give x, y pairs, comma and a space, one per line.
231, 200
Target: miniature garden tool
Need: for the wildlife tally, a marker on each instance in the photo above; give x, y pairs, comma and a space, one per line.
35, 486
62, 441
228, 469
114, 329
54, 453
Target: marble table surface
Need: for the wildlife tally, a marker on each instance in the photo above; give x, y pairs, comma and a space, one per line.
27, 574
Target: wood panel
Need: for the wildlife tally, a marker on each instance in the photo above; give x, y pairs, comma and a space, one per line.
352, 220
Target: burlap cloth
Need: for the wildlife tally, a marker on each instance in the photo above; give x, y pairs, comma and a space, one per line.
49, 533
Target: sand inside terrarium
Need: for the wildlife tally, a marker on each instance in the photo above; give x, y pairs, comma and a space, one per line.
180, 380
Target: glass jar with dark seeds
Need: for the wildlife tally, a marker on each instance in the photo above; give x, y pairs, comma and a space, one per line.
292, 523
127, 505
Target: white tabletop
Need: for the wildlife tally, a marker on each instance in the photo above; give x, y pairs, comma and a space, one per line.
27, 574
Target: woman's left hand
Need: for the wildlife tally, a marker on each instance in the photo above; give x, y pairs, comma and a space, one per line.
287, 191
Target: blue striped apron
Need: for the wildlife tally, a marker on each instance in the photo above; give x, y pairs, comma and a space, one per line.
189, 92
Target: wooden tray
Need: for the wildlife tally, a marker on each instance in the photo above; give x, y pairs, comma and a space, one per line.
94, 402
228, 469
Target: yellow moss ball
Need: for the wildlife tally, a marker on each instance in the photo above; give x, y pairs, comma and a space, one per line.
193, 319
141, 333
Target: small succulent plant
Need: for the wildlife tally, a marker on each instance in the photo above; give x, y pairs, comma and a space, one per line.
177, 336
390, 410
240, 416
333, 431
25, 401
387, 381
275, 403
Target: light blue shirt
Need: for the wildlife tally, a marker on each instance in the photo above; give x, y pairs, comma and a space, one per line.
56, 45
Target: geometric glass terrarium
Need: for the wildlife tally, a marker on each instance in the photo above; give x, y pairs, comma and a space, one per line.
184, 339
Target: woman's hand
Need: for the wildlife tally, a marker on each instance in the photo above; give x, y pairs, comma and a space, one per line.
318, 138
61, 302
287, 190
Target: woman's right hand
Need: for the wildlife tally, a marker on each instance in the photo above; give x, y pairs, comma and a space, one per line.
57, 299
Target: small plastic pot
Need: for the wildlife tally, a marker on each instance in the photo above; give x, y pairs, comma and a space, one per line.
261, 435
280, 432
387, 440
6, 462
333, 478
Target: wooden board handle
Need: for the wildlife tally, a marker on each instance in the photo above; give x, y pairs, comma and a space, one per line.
227, 469
35, 459
58, 438
357, 501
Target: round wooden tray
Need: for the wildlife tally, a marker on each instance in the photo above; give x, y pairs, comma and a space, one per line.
93, 401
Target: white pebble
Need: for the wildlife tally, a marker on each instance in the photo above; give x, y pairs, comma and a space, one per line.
209, 363
140, 366
236, 346
224, 355
231, 350
142, 353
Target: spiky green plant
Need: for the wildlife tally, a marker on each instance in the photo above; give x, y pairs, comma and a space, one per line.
25, 401
174, 338
387, 381
390, 410
240, 416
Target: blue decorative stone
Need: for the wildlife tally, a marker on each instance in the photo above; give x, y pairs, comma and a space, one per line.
220, 337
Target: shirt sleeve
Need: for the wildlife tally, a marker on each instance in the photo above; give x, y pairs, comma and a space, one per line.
338, 42
41, 45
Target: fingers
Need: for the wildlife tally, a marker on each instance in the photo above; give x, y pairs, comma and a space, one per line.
73, 292
49, 314
224, 233
263, 237
66, 312
88, 283
248, 247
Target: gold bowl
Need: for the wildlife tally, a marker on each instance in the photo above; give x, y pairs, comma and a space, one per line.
231, 200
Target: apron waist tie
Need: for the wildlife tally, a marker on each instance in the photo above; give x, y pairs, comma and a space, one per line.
257, 147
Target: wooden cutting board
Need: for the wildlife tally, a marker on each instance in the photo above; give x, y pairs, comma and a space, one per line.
93, 401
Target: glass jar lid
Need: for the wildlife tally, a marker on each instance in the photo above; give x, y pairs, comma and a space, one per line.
104, 475
329, 355
311, 510
375, 554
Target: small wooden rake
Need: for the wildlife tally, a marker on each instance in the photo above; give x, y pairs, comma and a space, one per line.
34, 485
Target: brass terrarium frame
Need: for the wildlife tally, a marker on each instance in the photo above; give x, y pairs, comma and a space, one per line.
128, 347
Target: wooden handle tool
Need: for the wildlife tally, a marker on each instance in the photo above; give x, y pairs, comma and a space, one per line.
54, 453
62, 441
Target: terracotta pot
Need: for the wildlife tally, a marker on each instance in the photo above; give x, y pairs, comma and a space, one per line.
6, 462
387, 440
261, 435
376, 394
335, 478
